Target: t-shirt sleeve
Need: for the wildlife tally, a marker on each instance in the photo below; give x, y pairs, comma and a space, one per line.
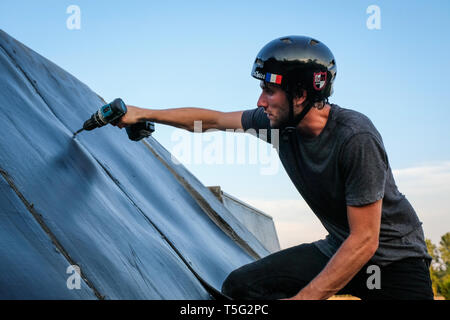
255, 121
364, 165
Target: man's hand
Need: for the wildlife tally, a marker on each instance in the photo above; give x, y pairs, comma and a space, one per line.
354, 253
133, 115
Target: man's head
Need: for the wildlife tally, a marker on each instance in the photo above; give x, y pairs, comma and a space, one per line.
300, 68
275, 102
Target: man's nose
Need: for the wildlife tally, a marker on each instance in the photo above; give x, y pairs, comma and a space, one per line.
262, 101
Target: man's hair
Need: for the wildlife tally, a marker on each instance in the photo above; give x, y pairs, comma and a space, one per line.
297, 92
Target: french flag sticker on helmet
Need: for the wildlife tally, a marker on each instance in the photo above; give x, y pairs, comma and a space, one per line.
320, 79
273, 78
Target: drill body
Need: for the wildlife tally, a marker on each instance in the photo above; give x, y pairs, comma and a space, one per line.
111, 113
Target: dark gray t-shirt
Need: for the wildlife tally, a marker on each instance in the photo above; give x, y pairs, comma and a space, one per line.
347, 165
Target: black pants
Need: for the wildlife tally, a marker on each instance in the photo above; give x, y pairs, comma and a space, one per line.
284, 273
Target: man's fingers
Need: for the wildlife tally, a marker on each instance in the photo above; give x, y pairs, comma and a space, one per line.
120, 124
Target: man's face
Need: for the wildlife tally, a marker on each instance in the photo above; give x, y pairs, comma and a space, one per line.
276, 106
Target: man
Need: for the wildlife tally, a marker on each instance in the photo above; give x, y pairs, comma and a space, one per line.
336, 159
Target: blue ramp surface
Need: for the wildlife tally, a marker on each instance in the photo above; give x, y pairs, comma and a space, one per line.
137, 226
28, 258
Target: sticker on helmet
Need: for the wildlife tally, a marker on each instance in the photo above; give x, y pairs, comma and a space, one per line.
320, 79
273, 78
258, 75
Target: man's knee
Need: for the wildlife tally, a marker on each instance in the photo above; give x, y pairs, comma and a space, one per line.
234, 286
230, 284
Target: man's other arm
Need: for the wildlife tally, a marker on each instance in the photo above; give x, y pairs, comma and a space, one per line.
354, 253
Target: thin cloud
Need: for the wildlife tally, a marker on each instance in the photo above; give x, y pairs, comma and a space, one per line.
428, 189
294, 221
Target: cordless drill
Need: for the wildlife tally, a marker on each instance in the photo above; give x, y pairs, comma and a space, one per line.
111, 113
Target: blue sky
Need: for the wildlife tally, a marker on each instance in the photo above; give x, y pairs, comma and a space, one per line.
159, 55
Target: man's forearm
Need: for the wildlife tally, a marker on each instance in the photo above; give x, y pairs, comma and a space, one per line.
343, 266
182, 117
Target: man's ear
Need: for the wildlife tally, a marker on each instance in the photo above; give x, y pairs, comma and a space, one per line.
298, 101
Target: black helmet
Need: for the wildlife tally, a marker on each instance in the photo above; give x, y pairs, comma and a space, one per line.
297, 62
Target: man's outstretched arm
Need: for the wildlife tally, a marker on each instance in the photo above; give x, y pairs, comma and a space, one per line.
354, 253
183, 118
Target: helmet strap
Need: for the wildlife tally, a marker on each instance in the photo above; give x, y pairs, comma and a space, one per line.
294, 121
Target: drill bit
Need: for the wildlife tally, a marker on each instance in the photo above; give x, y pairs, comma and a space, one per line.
77, 132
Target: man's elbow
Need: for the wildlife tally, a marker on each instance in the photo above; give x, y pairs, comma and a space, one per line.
367, 244
373, 246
